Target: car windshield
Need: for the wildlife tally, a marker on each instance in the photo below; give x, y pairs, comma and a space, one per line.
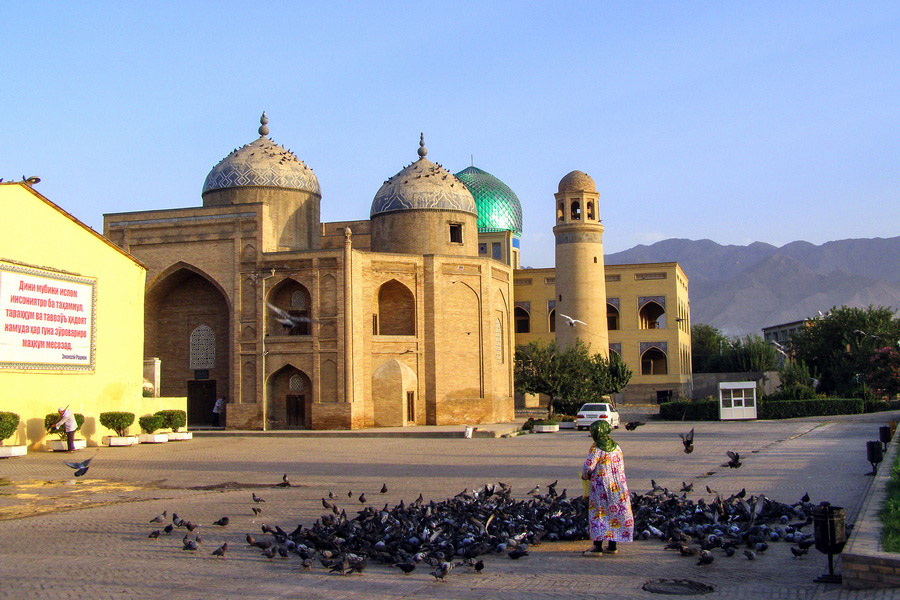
594, 408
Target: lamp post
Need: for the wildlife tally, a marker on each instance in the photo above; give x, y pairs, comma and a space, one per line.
264, 352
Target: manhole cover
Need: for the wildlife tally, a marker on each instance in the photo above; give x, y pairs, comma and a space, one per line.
677, 587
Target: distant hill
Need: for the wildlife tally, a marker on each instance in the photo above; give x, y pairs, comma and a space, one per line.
741, 289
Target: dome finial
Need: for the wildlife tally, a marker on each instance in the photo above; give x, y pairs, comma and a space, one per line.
422, 149
263, 130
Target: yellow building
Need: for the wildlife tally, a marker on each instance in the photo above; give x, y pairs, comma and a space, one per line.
647, 319
71, 320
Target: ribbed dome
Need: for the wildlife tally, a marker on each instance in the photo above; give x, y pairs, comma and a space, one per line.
577, 181
498, 206
423, 185
262, 163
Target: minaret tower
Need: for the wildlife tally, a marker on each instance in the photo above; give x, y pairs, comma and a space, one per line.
580, 277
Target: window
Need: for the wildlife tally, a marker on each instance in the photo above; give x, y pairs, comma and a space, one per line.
396, 310
411, 407
652, 316
374, 324
203, 348
552, 317
523, 320
590, 211
576, 211
612, 317
456, 233
482, 248
560, 212
654, 362
293, 298
496, 251
498, 341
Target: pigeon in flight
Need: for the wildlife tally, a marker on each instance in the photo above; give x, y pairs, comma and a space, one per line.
734, 460
632, 425
286, 319
571, 322
688, 440
80, 467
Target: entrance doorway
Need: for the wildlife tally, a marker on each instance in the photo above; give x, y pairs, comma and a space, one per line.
201, 397
296, 411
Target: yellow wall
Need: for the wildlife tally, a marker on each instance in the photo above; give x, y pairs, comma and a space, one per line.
43, 236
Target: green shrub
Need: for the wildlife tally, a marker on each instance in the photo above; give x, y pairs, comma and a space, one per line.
117, 421
788, 409
9, 422
53, 418
890, 511
150, 423
173, 419
698, 410
546, 422
528, 425
881, 405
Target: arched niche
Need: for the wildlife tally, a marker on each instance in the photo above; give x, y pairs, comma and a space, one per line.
612, 317
654, 362
293, 297
394, 389
652, 315
522, 319
288, 396
396, 309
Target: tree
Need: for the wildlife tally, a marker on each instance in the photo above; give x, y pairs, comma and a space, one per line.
885, 374
706, 347
796, 382
571, 376
840, 345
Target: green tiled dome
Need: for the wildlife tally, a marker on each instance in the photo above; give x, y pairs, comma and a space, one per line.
499, 208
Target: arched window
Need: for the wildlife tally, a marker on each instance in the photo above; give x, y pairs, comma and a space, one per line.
590, 210
203, 348
523, 320
292, 297
396, 309
560, 212
612, 317
576, 210
498, 341
552, 317
652, 316
295, 384
654, 362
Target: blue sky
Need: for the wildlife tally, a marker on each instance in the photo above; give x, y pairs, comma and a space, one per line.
733, 121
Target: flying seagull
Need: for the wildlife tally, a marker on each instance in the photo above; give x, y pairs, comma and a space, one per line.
571, 322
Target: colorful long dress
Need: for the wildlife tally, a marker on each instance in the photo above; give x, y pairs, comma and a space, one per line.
609, 508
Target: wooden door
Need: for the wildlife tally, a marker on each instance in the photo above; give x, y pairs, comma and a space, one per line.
201, 398
296, 411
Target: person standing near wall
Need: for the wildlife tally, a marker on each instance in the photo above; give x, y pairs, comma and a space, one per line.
67, 418
218, 409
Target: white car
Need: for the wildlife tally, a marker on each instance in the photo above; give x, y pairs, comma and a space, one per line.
588, 413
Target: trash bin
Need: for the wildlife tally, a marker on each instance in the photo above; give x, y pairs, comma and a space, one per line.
885, 435
829, 528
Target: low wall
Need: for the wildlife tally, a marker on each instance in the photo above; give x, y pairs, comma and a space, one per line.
863, 562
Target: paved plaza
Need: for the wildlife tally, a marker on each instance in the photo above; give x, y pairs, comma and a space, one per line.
87, 538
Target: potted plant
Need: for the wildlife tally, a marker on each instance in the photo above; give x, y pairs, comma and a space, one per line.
9, 423
118, 422
60, 444
565, 421
546, 426
149, 424
175, 420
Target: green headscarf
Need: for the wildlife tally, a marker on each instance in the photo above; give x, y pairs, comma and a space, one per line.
600, 432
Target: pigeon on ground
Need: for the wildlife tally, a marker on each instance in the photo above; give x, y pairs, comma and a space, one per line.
221, 522
220, 551
168, 529
797, 552
154, 534
805, 497
632, 425
159, 518
256, 510
442, 570
687, 487
479, 566
362, 497
256, 498
688, 440
709, 490
384, 488
516, 554
750, 554
284, 481
706, 558
406, 567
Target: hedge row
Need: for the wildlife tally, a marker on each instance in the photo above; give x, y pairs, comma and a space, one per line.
702, 410
881, 405
707, 410
788, 409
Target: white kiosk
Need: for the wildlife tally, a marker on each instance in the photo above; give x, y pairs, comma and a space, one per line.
737, 400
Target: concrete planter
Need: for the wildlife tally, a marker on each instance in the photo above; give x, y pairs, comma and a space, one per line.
546, 428
114, 440
62, 446
180, 436
567, 424
153, 438
8, 451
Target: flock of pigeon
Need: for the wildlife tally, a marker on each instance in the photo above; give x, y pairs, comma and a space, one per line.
458, 532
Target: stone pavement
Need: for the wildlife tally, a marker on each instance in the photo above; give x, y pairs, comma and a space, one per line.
95, 528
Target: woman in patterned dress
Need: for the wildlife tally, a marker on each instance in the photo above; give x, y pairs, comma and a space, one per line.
609, 508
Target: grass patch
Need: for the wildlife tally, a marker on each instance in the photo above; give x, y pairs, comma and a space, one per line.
890, 511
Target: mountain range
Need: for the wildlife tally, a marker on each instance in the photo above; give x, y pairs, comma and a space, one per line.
741, 289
